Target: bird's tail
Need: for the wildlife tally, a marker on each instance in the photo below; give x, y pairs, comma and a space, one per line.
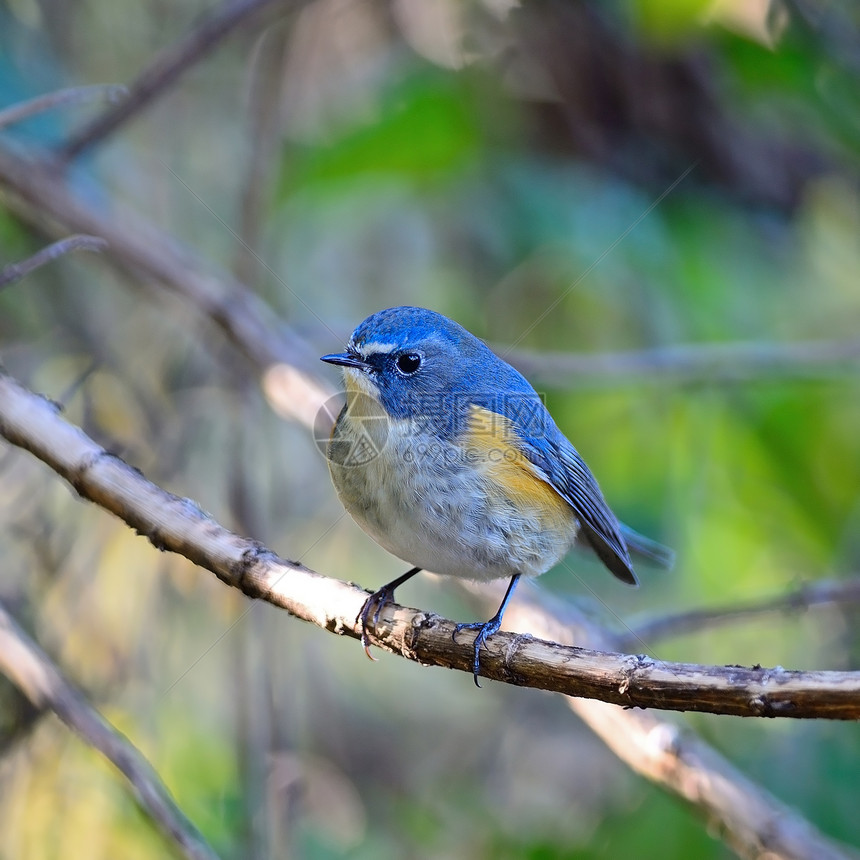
647, 549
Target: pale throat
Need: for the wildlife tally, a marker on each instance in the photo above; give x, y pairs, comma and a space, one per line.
357, 383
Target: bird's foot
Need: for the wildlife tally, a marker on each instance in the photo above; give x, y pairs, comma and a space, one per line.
485, 629
370, 613
373, 605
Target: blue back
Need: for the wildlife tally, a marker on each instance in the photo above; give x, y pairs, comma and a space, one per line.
459, 370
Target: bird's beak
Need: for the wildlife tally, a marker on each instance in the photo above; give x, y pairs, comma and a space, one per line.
346, 359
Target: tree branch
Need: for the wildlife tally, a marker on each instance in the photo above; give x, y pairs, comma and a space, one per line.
805, 597
30, 669
40, 195
749, 819
178, 525
685, 363
37, 192
60, 98
163, 71
15, 271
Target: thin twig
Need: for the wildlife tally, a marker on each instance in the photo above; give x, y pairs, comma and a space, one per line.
163, 71
60, 98
724, 362
139, 246
15, 271
39, 194
179, 525
30, 669
814, 594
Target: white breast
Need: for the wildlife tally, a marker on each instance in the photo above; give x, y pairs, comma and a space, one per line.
423, 501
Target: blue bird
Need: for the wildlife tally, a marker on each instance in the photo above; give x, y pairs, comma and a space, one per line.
446, 456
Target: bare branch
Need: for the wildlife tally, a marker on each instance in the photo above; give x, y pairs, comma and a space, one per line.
750, 820
806, 597
139, 246
180, 526
749, 816
30, 669
164, 70
724, 362
39, 194
60, 98
15, 271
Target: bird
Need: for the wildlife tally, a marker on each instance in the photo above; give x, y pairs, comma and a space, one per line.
446, 456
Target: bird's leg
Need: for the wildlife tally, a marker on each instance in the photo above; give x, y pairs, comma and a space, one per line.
487, 628
376, 601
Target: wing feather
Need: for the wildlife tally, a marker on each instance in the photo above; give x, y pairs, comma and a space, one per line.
562, 467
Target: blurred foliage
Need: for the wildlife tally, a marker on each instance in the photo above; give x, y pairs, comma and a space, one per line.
495, 163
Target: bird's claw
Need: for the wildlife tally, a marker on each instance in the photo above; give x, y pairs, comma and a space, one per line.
485, 629
373, 604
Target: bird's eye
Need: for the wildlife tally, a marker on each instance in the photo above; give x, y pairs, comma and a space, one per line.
408, 363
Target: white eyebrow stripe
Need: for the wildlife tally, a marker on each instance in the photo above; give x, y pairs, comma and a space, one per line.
375, 347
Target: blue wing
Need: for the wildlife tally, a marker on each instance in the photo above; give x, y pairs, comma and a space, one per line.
557, 462
567, 473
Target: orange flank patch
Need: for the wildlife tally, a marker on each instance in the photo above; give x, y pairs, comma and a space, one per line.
490, 444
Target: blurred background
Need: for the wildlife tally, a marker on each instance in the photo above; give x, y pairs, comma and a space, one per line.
566, 178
